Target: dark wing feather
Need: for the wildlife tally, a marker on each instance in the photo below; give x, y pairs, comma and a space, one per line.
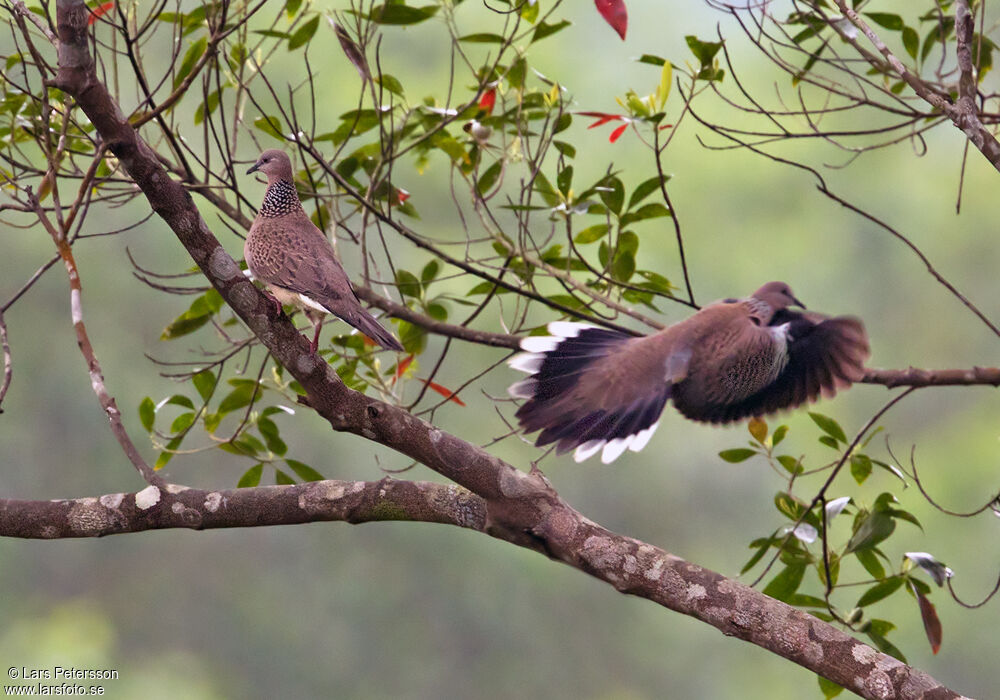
824, 355
582, 391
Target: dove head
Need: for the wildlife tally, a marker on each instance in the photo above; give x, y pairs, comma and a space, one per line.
778, 296
275, 164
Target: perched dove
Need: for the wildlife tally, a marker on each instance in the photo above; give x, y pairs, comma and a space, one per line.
600, 390
295, 261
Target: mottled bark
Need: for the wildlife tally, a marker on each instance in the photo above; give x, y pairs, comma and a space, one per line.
497, 499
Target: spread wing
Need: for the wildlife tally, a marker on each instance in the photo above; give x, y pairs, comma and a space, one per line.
824, 355
593, 389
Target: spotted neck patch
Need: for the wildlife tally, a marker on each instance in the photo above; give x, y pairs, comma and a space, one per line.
280, 199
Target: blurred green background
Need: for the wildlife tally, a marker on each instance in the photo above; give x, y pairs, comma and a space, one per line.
421, 611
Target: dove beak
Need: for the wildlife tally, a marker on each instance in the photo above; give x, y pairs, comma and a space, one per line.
254, 168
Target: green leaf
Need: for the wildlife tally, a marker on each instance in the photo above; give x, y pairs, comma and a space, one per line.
244, 445
430, 272
591, 234
886, 19
623, 266
874, 528
566, 149
791, 464
612, 193
413, 338
168, 453
270, 125
884, 645
545, 30
652, 210
801, 600
303, 34
778, 435
207, 107
239, 397
652, 60
911, 42
562, 123
184, 324
829, 442
829, 426
645, 188
738, 454
516, 73
861, 467
663, 89
879, 591
182, 422
544, 188
869, 560
251, 477
761, 545
147, 414
784, 585
529, 11
704, 51
656, 282
390, 83
408, 283
393, 13
180, 400
788, 505
488, 178
564, 180
272, 437
204, 382
304, 471
191, 56
482, 38
829, 688
437, 311
281, 478
292, 7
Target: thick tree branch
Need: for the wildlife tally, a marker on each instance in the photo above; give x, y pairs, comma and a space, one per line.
629, 565
175, 506
519, 508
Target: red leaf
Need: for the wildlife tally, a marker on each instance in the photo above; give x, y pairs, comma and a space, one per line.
447, 393
402, 367
616, 134
401, 195
487, 101
932, 624
615, 14
602, 118
98, 11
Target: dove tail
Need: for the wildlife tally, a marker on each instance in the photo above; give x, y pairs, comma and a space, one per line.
366, 323
556, 364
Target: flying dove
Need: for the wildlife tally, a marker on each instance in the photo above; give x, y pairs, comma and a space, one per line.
295, 261
599, 390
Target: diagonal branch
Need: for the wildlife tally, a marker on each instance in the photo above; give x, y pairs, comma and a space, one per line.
107, 401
